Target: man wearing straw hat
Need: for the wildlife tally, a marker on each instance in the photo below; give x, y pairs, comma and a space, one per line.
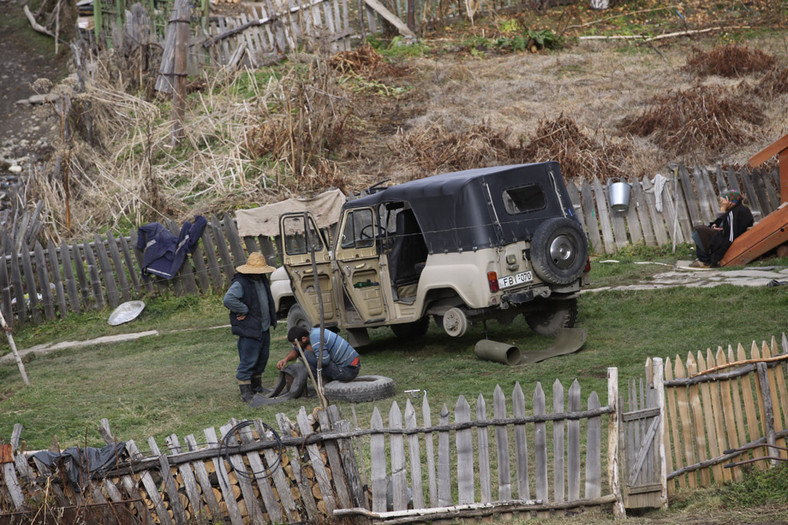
252, 315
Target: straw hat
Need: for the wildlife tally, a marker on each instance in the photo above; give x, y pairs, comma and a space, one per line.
255, 265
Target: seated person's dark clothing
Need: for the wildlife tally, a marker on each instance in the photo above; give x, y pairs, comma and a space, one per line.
711, 244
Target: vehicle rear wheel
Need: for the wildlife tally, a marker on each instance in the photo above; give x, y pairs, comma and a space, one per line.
559, 250
553, 316
296, 316
411, 330
455, 323
361, 389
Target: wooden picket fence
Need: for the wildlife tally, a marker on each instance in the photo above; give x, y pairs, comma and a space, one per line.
687, 200
486, 465
242, 475
315, 471
722, 408
45, 283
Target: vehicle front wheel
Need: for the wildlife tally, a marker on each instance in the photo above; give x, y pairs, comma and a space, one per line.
296, 316
552, 316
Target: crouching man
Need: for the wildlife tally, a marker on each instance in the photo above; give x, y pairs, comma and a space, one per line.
340, 360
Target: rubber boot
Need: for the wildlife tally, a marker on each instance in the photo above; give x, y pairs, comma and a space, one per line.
258, 388
246, 391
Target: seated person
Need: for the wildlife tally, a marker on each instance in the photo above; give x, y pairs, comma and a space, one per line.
712, 241
340, 361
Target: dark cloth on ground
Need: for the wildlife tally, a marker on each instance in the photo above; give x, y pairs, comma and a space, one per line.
80, 463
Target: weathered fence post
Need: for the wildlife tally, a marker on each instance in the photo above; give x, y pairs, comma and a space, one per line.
613, 442
656, 377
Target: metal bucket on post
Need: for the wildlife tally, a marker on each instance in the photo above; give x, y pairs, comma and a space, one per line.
618, 194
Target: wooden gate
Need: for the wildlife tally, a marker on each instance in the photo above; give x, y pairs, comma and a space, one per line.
642, 430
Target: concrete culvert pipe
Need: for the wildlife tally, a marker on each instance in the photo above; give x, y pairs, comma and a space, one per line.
498, 352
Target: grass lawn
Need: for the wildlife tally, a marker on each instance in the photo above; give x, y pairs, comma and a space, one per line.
182, 380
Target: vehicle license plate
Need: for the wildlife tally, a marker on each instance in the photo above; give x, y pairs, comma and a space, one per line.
513, 280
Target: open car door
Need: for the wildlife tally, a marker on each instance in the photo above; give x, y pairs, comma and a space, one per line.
357, 258
301, 240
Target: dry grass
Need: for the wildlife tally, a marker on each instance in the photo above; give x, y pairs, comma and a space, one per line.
729, 61
772, 84
701, 119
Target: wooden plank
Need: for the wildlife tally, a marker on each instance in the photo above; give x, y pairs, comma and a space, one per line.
281, 483
113, 295
93, 274
775, 148
603, 216
200, 269
766, 425
201, 474
763, 195
656, 219
189, 481
120, 271
540, 445
753, 423
150, 485
707, 200
768, 416
673, 452
715, 392
751, 195
415, 457
444, 461
559, 439
613, 444
726, 407
11, 486
775, 400
227, 265
589, 212
30, 286
641, 206
138, 255
228, 497
175, 505
377, 451
593, 488
133, 271
657, 385
130, 484
632, 219
43, 281
689, 196
483, 441
335, 462
464, 441
738, 403
358, 493
502, 444
429, 451
520, 443
709, 423
678, 231
304, 488
577, 205
60, 293
214, 269
699, 431
616, 218
782, 392
771, 183
19, 290
5, 292
236, 248
321, 474
573, 445
258, 473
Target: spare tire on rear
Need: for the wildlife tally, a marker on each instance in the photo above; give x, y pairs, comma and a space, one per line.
559, 250
361, 389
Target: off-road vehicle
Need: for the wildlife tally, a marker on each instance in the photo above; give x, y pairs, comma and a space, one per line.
481, 244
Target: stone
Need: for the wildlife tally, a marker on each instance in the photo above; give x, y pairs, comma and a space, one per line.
16, 168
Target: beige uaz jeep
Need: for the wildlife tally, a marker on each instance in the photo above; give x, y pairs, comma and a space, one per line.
474, 245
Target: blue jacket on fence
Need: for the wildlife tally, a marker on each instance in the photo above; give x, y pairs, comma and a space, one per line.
163, 253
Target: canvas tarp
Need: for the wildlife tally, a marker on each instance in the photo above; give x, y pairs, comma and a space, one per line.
264, 220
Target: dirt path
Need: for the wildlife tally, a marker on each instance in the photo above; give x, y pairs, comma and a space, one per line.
26, 57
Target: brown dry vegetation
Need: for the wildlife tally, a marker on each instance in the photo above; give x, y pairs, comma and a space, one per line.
729, 61
601, 108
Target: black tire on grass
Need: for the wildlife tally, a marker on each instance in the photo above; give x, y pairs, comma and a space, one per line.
361, 389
